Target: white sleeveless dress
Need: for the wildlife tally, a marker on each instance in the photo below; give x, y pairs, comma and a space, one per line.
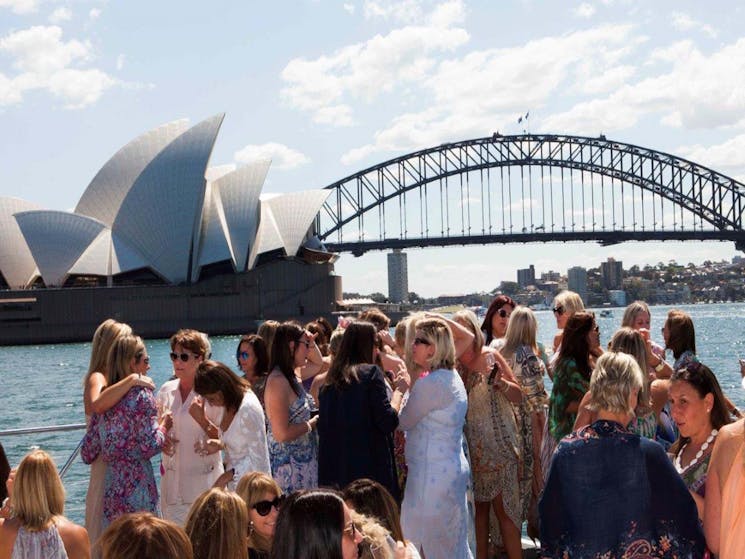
46, 544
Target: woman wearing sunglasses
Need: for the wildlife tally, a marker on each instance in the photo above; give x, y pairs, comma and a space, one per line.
293, 446
263, 497
185, 474
496, 319
242, 429
253, 360
434, 512
566, 304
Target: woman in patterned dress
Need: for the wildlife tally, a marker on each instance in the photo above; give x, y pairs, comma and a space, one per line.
127, 436
700, 411
293, 448
242, 434
493, 442
523, 355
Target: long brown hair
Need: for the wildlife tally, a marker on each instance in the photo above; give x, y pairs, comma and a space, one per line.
212, 377
498, 302
356, 348
217, 525
574, 343
681, 335
283, 356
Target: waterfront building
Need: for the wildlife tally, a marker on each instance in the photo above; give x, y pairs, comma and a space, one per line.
617, 297
612, 274
398, 277
157, 216
577, 281
526, 276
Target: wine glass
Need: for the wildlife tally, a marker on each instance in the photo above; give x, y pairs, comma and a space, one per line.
202, 448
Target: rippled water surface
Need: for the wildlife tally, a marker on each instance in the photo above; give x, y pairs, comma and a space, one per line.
42, 385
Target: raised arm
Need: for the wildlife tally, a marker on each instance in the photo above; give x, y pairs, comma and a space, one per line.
101, 400
462, 336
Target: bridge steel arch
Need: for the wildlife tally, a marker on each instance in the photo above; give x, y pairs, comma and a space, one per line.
531, 188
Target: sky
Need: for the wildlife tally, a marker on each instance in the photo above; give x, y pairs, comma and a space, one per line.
328, 88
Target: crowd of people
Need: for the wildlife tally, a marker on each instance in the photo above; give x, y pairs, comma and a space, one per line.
439, 442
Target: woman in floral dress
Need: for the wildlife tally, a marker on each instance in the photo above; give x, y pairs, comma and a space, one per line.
127, 436
493, 442
293, 447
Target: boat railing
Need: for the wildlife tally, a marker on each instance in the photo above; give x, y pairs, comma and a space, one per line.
48, 429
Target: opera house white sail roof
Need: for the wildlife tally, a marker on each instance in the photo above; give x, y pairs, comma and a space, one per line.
157, 209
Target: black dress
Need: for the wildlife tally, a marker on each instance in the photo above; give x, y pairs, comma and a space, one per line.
355, 432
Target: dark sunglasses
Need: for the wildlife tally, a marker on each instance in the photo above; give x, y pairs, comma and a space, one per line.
558, 310
421, 341
503, 313
351, 530
242, 355
183, 356
265, 507
146, 360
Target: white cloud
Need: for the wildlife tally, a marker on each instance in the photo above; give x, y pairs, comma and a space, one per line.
728, 156
282, 157
20, 6
483, 91
120, 61
585, 10
60, 14
46, 62
367, 70
94, 14
683, 22
337, 115
349, 8
406, 11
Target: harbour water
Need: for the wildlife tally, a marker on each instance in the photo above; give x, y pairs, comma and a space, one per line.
42, 385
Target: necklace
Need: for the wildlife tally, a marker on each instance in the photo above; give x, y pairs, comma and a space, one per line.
699, 454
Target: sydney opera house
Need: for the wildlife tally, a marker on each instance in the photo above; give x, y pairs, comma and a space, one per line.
161, 240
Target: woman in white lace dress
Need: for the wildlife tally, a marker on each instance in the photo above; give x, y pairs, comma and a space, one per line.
242, 429
434, 512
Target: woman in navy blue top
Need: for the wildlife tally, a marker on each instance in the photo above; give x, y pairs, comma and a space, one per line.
611, 493
357, 416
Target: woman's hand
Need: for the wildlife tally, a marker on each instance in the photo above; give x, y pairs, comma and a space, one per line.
401, 379
196, 410
166, 420
142, 380
210, 446
224, 479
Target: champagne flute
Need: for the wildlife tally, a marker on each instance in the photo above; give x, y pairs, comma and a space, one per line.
202, 448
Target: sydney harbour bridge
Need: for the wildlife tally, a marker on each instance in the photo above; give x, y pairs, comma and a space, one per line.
531, 188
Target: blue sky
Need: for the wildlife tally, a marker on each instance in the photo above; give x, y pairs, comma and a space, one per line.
327, 88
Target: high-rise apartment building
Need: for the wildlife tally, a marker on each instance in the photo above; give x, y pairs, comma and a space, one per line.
612, 274
526, 276
577, 281
398, 277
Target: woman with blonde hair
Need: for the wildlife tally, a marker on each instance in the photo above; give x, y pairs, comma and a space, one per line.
263, 498
98, 400
610, 492
638, 316
141, 535
217, 526
566, 303
630, 341
127, 435
492, 436
187, 471
522, 353
38, 528
434, 512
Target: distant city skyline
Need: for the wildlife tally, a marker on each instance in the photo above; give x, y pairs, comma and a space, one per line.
326, 89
